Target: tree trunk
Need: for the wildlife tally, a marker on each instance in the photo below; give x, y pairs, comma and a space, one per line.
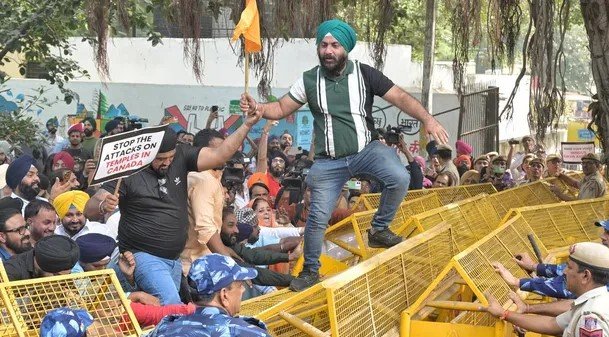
596, 20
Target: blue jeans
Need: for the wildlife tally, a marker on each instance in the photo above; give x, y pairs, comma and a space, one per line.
159, 277
326, 180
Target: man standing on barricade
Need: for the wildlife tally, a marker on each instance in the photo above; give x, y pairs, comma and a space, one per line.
340, 93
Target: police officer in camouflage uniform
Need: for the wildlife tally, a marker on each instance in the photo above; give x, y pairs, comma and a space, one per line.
216, 283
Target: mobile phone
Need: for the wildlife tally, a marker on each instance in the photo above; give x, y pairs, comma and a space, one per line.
66, 176
354, 185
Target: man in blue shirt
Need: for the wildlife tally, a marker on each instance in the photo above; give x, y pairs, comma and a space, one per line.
216, 283
551, 280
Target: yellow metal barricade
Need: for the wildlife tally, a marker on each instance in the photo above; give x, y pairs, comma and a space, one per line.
553, 226
537, 193
364, 300
472, 219
563, 224
472, 268
23, 304
446, 195
357, 225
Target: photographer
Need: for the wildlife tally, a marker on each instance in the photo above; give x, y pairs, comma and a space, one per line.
415, 169
233, 180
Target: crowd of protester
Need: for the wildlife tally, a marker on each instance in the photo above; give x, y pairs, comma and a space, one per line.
245, 214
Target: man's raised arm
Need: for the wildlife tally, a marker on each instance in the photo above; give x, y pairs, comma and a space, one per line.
215, 157
273, 110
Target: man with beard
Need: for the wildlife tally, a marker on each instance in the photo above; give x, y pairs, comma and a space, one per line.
285, 142
90, 139
205, 200
270, 162
340, 93
76, 149
255, 257
51, 137
22, 178
14, 231
70, 207
41, 218
274, 144
153, 202
52, 255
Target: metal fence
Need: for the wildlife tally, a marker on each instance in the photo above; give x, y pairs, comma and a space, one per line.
479, 120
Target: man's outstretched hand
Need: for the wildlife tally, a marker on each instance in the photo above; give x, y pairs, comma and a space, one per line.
434, 129
250, 108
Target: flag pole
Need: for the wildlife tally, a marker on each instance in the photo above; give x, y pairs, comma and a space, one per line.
247, 71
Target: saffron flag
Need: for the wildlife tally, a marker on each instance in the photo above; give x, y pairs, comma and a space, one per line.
249, 27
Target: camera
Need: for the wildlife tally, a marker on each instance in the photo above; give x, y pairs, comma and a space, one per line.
293, 180
392, 135
134, 123
233, 171
513, 142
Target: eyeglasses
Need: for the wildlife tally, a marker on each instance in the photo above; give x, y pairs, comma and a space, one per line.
162, 187
21, 229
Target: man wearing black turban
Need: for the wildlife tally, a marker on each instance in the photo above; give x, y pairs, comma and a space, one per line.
153, 205
340, 93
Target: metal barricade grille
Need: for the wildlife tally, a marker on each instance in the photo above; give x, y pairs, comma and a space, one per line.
369, 304
471, 219
536, 193
560, 225
95, 292
257, 305
447, 195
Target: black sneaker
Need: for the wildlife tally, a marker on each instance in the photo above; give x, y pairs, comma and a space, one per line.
383, 239
304, 280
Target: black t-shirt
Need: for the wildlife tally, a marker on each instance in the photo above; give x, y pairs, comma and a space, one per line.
152, 221
20, 266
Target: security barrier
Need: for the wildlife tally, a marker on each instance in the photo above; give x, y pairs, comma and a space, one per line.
471, 220
470, 272
537, 193
446, 195
473, 268
564, 224
358, 224
23, 304
366, 299
373, 291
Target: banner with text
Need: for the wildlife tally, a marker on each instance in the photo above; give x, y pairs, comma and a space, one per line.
572, 152
127, 153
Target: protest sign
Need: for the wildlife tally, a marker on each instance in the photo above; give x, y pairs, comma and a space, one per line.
127, 153
572, 152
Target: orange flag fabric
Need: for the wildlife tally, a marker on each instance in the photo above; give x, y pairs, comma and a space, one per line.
249, 27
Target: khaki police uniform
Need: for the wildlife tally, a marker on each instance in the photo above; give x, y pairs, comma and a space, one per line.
589, 315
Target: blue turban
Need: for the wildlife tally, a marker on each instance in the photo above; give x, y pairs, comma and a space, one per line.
340, 30
95, 247
65, 322
111, 125
245, 230
17, 170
